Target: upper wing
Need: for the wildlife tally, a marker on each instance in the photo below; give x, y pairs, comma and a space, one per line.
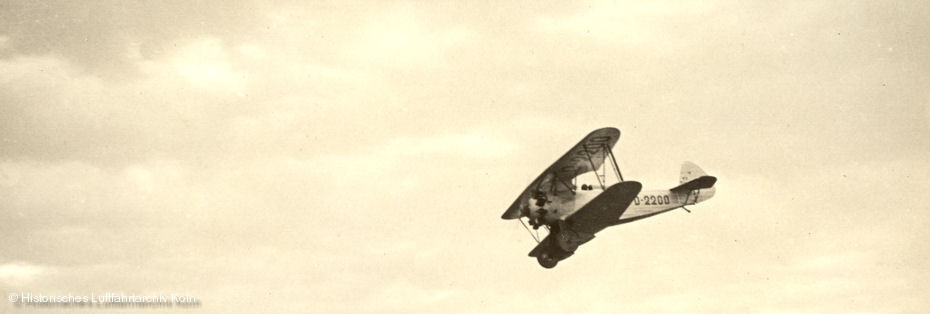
586, 156
605, 209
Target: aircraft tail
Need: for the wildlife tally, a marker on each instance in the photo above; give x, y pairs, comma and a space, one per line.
690, 171
693, 178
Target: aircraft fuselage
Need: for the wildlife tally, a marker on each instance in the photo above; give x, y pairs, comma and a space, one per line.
647, 203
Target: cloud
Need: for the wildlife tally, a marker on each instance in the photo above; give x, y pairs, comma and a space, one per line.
14, 273
185, 106
95, 36
405, 296
470, 145
202, 94
398, 38
631, 23
205, 64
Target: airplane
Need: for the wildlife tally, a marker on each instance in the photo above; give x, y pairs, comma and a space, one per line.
573, 214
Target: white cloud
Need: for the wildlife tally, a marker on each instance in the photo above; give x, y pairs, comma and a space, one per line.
400, 38
206, 64
16, 273
631, 22
463, 145
403, 295
252, 51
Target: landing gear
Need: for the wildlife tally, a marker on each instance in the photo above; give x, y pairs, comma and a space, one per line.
546, 261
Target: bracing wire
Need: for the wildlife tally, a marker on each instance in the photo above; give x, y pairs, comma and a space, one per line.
535, 237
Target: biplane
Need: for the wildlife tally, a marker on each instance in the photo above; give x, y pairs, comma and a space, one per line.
573, 214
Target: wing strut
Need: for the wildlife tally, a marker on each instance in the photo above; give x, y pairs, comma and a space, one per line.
613, 160
570, 187
535, 236
591, 160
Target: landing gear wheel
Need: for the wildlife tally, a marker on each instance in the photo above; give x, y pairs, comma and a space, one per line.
546, 261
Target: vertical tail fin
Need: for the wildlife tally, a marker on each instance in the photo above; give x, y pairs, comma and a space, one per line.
690, 171
693, 178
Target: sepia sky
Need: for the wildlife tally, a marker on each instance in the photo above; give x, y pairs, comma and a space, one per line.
331, 157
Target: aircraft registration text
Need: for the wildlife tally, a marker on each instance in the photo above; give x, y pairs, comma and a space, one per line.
651, 200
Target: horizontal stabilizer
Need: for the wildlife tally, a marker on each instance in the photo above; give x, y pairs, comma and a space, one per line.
702, 182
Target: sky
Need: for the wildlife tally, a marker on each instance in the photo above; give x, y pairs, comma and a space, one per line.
344, 157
